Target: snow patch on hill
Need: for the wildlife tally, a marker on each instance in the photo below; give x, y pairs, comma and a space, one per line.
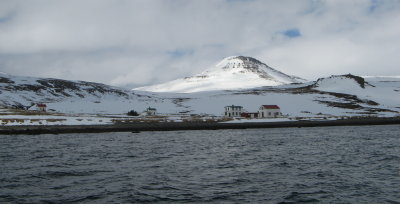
341, 83
383, 90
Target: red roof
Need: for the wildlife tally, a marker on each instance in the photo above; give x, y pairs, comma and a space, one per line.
270, 107
41, 105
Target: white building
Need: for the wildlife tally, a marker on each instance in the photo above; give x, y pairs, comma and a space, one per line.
269, 111
233, 111
149, 111
41, 107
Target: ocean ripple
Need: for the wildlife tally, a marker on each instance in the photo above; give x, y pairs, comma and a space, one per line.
283, 165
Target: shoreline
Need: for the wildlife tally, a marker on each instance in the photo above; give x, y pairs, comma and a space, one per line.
174, 126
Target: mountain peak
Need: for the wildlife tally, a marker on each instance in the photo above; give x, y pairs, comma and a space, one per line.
238, 62
235, 72
246, 59
242, 58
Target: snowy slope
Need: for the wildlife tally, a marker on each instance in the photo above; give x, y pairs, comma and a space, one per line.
344, 95
384, 91
231, 73
332, 96
73, 96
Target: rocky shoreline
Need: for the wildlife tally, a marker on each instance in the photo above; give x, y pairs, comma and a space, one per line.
172, 126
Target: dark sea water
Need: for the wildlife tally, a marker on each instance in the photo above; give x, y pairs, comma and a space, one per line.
288, 165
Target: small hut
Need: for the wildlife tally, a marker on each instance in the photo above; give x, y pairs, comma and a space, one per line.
41, 107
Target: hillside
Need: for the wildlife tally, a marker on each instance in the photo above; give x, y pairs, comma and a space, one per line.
71, 96
343, 95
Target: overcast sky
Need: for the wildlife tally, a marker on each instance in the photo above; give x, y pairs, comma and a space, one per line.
132, 43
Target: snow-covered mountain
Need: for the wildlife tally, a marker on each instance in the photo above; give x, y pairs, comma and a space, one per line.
237, 72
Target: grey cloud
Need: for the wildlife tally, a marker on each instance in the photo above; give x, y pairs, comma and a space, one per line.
133, 43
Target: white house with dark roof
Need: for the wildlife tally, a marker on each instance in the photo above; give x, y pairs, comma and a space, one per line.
269, 111
233, 111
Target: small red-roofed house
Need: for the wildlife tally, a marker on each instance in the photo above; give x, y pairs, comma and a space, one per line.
41, 107
269, 111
